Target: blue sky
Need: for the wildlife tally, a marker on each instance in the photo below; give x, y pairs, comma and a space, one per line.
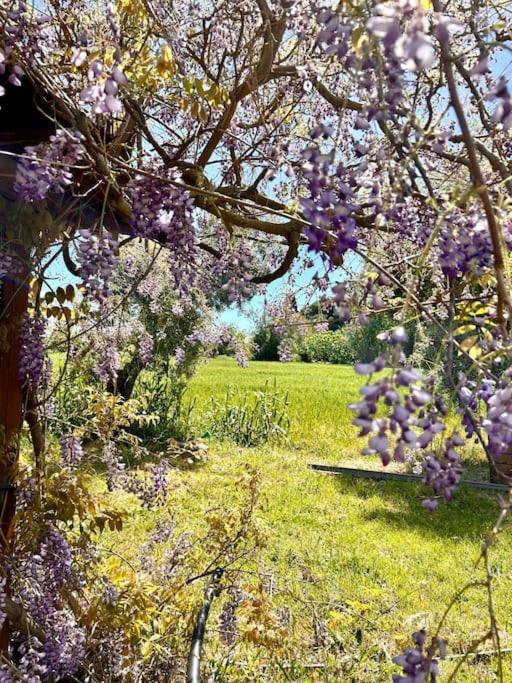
244, 318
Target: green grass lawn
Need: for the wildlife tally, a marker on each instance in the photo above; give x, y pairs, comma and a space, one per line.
356, 566
319, 396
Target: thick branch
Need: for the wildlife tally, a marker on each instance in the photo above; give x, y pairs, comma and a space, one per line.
291, 253
273, 37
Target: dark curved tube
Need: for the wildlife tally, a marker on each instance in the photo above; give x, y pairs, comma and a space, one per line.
194, 655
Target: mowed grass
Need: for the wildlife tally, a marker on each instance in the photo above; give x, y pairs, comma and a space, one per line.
357, 565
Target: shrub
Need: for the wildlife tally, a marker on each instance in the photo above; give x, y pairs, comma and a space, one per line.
251, 420
163, 395
327, 347
353, 344
364, 341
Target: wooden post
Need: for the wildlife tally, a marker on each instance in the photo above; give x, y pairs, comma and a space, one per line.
13, 304
500, 470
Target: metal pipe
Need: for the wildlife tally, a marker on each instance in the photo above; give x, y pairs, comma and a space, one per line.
194, 655
395, 476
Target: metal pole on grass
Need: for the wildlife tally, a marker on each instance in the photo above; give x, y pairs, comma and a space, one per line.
194, 655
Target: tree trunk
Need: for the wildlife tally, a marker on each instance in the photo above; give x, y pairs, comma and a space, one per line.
125, 382
501, 471
13, 303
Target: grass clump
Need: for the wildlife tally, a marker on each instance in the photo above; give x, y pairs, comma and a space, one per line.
253, 419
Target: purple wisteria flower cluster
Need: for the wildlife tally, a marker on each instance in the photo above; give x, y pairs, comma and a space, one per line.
116, 475
3, 596
9, 264
97, 256
418, 662
47, 167
25, 32
102, 93
465, 244
162, 211
180, 356
228, 619
157, 490
236, 265
39, 581
159, 206
415, 417
162, 533
498, 421
71, 451
472, 395
501, 94
331, 202
285, 350
151, 489
178, 548
334, 36
403, 28
145, 349
108, 360
443, 473
240, 349
31, 358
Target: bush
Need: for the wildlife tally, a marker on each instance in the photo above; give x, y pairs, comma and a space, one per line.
353, 344
327, 347
162, 393
363, 338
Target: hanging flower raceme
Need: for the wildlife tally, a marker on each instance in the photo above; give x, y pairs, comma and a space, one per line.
25, 32
159, 206
71, 451
97, 255
403, 28
443, 473
179, 356
38, 581
9, 264
236, 263
414, 418
465, 244
228, 620
47, 167
418, 662
108, 364
102, 93
472, 396
31, 358
334, 36
162, 211
145, 350
501, 94
3, 596
285, 350
498, 421
239, 347
331, 202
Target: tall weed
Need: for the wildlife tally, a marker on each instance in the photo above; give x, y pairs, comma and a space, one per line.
252, 419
